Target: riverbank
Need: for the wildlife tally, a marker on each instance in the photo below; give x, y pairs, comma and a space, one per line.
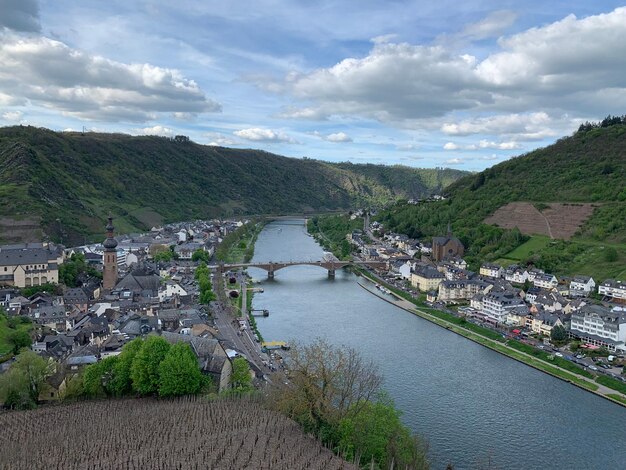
238, 246
500, 347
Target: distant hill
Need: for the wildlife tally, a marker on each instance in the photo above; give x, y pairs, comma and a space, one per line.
586, 173
63, 185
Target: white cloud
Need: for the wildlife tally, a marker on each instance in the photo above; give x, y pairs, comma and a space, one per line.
407, 147
12, 115
573, 66
156, 130
51, 74
455, 161
451, 146
219, 140
483, 144
509, 124
491, 157
257, 134
337, 137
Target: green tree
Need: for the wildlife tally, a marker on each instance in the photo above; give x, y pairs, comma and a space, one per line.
122, 382
21, 385
241, 380
179, 373
200, 255
165, 256
72, 268
144, 371
20, 339
98, 378
558, 333
375, 433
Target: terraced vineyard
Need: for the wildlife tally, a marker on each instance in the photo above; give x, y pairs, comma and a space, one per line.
188, 433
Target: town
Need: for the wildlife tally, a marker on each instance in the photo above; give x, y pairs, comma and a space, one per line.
134, 285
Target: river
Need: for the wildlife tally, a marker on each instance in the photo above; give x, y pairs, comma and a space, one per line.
475, 407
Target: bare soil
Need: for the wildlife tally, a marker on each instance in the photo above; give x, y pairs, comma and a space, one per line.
557, 220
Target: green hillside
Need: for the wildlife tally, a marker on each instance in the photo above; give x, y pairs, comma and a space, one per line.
67, 183
588, 167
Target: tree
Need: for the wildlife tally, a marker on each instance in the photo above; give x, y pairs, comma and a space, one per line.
610, 255
324, 383
165, 256
200, 255
179, 373
144, 371
558, 333
241, 380
376, 434
20, 339
98, 378
122, 383
23, 383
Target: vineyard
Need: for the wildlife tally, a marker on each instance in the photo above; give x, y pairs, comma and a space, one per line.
185, 433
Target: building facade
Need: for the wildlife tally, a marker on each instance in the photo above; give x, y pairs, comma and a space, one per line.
32, 264
109, 273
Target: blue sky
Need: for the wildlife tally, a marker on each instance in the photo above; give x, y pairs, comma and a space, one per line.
426, 84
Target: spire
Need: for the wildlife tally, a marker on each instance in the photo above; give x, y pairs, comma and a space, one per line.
110, 243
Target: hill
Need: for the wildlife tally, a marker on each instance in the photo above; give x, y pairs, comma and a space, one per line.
578, 183
185, 433
66, 183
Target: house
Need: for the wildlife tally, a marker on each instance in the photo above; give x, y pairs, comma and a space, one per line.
212, 358
518, 316
140, 281
426, 278
549, 301
447, 247
30, 264
497, 305
581, 286
77, 297
534, 273
516, 274
544, 322
491, 270
53, 317
186, 250
460, 290
169, 290
615, 290
599, 326
545, 281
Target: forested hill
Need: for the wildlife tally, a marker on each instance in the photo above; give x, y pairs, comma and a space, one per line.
587, 167
54, 184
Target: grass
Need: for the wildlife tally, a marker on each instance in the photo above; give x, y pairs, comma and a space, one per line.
558, 361
612, 383
525, 250
617, 397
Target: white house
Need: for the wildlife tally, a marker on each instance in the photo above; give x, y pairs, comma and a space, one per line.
599, 326
516, 274
613, 289
169, 290
581, 286
498, 304
545, 281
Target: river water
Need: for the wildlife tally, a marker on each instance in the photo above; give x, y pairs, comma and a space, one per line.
476, 408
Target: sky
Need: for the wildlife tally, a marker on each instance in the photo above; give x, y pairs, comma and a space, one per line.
426, 84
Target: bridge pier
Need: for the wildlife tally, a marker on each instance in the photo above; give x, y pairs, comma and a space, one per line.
331, 273
270, 274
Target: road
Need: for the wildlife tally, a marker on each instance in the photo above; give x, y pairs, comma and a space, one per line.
366, 228
227, 322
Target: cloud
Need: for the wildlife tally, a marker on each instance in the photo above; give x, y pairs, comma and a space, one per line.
156, 130
491, 157
53, 75
219, 140
455, 161
20, 15
12, 115
483, 144
524, 126
492, 25
257, 134
573, 66
407, 147
338, 137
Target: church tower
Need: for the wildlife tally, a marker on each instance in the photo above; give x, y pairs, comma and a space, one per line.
109, 275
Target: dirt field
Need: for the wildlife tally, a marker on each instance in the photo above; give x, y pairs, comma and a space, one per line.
188, 433
556, 220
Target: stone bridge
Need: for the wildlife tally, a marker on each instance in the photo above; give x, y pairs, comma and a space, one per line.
330, 266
